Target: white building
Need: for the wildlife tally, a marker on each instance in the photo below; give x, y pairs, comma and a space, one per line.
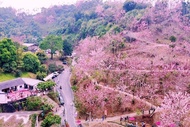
17, 84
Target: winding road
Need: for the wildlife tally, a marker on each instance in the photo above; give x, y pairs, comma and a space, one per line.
66, 92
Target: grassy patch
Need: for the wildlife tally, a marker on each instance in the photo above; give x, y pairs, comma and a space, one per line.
5, 76
28, 75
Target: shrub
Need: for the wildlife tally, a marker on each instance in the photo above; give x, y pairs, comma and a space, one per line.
172, 39
52, 67
46, 108
50, 120
33, 103
46, 85
74, 88
41, 75
43, 68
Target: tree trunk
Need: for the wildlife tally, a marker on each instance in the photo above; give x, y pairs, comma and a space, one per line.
51, 55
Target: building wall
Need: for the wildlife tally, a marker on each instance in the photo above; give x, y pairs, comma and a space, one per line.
20, 87
3, 98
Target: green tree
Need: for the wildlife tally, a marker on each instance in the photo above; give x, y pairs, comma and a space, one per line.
33, 103
52, 67
172, 38
41, 56
46, 108
50, 120
46, 85
31, 62
43, 68
7, 55
52, 42
67, 48
129, 5
9, 67
41, 75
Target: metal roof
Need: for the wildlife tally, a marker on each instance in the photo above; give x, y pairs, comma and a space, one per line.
31, 82
11, 83
18, 81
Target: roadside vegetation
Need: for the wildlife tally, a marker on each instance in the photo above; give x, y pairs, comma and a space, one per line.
14, 62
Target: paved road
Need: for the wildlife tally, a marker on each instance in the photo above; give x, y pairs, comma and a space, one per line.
63, 80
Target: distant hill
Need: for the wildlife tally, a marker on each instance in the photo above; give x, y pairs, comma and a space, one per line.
96, 18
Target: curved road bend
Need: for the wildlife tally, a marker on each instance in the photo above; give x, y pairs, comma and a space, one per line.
67, 93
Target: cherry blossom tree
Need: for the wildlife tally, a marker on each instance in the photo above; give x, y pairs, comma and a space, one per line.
175, 108
95, 99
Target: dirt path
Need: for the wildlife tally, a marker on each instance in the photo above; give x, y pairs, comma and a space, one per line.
125, 93
136, 36
109, 119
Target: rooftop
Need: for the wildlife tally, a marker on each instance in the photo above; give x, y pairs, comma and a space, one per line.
28, 44
19, 81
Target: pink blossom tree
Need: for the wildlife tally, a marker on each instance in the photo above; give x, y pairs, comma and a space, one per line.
95, 99
175, 108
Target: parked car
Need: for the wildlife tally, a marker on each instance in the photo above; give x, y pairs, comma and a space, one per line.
64, 62
61, 100
54, 76
60, 72
56, 73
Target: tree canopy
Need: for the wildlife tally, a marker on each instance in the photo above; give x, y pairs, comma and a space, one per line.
50, 120
41, 56
53, 43
31, 62
128, 6
45, 85
67, 48
7, 55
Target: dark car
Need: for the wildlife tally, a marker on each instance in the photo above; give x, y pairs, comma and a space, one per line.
64, 62
54, 76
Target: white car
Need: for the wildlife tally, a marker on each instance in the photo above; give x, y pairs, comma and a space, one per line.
56, 73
